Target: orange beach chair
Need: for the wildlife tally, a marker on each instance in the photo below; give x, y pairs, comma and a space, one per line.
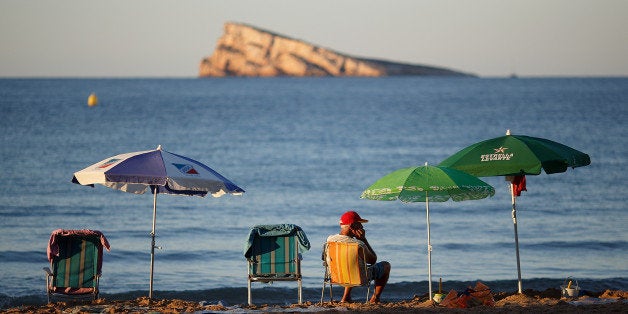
345, 265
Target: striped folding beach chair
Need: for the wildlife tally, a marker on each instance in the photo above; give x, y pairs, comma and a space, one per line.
345, 265
273, 253
75, 263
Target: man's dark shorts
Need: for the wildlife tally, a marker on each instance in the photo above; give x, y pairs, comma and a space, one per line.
377, 270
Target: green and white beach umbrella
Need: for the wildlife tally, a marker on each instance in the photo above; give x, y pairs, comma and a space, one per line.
514, 156
425, 184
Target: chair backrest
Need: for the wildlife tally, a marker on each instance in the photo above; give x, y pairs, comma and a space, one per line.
274, 255
77, 264
346, 264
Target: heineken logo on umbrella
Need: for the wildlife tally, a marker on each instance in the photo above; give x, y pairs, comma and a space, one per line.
533, 155
109, 163
186, 169
499, 154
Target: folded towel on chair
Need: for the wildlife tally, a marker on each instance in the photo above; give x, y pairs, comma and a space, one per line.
275, 231
53, 244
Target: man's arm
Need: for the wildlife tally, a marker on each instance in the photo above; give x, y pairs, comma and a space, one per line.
369, 253
371, 257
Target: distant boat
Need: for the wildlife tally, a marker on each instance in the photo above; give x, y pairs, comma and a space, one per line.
92, 100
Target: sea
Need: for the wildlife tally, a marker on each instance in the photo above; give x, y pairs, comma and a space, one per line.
304, 149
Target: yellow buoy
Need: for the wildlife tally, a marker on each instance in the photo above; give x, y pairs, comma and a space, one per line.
92, 100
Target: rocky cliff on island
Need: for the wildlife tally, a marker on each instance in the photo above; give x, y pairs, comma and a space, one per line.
244, 50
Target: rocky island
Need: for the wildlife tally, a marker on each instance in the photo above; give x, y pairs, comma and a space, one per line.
245, 50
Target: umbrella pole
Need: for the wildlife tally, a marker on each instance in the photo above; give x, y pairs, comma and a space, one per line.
429, 246
514, 221
152, 245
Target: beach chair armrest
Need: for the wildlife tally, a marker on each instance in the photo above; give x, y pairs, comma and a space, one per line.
48, 271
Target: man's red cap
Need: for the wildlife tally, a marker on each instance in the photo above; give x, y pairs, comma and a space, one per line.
351, 217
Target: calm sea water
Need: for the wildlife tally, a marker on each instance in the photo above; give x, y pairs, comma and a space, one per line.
304, 150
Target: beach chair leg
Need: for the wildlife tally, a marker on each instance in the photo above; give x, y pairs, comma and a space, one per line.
323, 292
249, 289
331, 293
331, 298
368, 291
96, 287
300, 292
48, 279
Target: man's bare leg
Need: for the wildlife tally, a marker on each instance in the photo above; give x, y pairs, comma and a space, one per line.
380, 284
346, 297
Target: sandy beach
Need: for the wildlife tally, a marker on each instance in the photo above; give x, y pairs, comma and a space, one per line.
548, 301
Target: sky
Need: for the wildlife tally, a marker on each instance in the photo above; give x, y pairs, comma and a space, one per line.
155, 38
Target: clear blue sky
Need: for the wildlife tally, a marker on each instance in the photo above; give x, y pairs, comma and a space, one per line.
153, 38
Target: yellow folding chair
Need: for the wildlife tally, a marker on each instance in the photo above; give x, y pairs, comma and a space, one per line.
345, 265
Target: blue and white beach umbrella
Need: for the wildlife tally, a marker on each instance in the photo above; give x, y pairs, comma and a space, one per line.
161, 171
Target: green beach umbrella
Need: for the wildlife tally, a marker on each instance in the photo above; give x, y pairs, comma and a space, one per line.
425, 184
514, 156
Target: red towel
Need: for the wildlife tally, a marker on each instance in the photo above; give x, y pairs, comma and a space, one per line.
53, 245
518, 185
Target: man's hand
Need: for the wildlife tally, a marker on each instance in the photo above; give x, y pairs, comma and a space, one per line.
358, 231
359, 234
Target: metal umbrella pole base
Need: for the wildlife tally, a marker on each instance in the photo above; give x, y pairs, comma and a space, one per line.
152, 243
514, 221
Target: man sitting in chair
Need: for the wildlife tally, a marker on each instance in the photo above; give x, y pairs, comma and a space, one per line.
351, 230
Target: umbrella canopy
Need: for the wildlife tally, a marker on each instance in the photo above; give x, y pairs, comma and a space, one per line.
161, 171
425, 184
516, 155
169, 173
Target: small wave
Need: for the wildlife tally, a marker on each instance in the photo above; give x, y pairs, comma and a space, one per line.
23, 256
589, 245
475, 246
30, 211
